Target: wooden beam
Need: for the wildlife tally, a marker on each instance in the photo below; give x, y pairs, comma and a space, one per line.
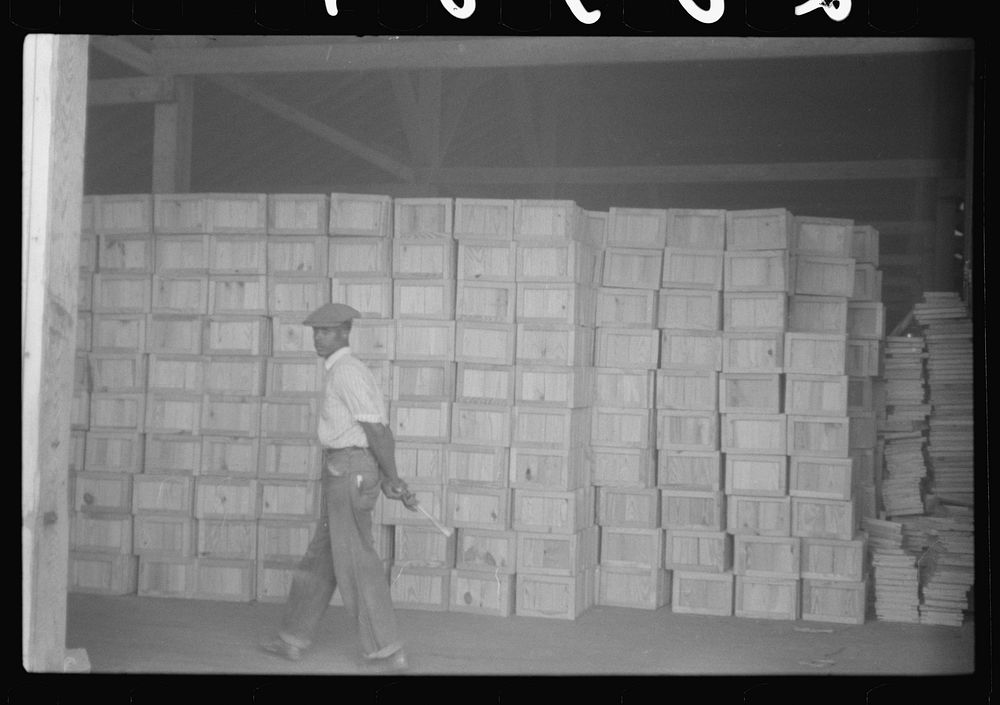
54, 109
454, 104
903, 169
314, 126
368, 54
145, 89
172, 134
126, 52
520, 102
406, 103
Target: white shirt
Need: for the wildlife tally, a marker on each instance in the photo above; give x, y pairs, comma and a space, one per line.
350, 396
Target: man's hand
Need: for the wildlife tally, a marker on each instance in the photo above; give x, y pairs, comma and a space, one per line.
397, 489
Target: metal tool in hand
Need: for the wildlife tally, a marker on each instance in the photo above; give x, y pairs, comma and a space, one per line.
413, 500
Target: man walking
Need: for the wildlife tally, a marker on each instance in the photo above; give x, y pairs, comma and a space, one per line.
358, 461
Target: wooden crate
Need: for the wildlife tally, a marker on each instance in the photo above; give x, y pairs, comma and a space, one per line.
274, 580
115, 292
236, 335
544, 427
420, 588
619, 387
823, 276
622, 428
824, 518
558, 261
427, 422
234, 375
549, 344
546, 220
85, 292
228, 580
164, 536
225, 498
423, 258
480, 424
294, 500
485, 301
637, 228
864, 463
295, 377
478, 342
288, 418
691, 349
229, 456
421, 462
244, 213
629, 348
170, 453
631, 548
481, 466
767, 598
77, 451
555, 596
84, 331
426, 340
301, 256
166, 577
181, 293
697, 551
626, 308
420, 380
829, 237
692, 510
702, 593
88, 207
637, 588
227, 539
757, 270
688, 390
297, 213
816, 395
486, 260
834, 601
559, 304
422, 547
162, 333
550, 470
131, 253
101, 533
80, 410
371, 340
102, 573
864, 244
696, 228
552, 385
633, 268
241, 254
116, 372
303, 295
476, 593
867, 282
113, 451
429, 495
755, 311
282, 540
361, 257
753, 433
181, 254
766, 556
623, 467
87, 258
542, 511
866, 321
486, 552
824, 436
762, 229
354, 214
628, 508
229, 415
181, 373
815, 353
758, 516
686, 268
682, 470
817, 314
485, 384
116, 411
123, 213
863, 430
477, 507
167, 495
834, 559
483, 219
750, 393
689, 309
757, 475
687, 430
422, 217
863, 358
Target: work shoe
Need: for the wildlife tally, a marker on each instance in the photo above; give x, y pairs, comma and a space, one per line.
395, 663
280, 647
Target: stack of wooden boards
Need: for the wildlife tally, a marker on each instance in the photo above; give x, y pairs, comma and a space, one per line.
630, 408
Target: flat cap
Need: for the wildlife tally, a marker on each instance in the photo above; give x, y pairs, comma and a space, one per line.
330, 316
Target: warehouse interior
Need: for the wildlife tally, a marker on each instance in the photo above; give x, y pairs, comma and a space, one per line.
872, 140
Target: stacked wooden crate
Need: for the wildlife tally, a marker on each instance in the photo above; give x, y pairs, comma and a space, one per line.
697, 549
557, 271
623, 421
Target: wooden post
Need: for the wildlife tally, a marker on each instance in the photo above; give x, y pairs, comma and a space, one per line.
172, 141
54, 115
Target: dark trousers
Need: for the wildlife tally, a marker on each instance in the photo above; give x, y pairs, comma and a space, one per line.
341, 554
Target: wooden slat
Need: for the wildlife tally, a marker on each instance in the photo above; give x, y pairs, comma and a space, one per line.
144, 89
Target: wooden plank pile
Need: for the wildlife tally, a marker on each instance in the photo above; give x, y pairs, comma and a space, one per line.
895, 573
